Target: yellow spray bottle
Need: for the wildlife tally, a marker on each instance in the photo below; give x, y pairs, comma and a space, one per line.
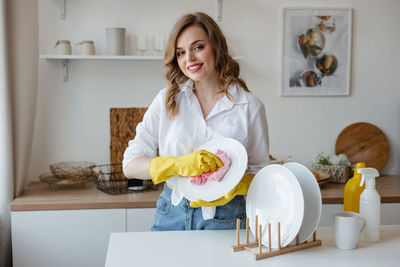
352, 191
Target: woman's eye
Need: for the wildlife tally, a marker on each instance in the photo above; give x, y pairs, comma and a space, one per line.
179, 53
199, 47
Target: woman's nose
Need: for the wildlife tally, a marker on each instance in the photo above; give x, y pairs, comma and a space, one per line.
190, 56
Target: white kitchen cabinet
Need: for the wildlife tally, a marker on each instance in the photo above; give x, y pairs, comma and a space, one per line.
80, 237
390, 213
139, 220
64, 237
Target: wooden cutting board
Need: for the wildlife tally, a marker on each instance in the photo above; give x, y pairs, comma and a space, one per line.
123, 122
364, 142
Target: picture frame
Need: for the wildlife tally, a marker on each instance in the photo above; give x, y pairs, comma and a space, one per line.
316, 57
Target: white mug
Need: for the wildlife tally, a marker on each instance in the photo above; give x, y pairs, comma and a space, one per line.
347, 228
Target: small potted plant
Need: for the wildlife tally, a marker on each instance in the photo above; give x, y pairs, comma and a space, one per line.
337, 166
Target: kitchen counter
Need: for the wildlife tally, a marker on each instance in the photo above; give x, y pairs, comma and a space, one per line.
213, 248
39, 196
388, 187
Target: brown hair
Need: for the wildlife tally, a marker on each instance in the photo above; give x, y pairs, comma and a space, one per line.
227, 68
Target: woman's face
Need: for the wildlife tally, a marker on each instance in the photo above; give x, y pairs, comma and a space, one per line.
195, 55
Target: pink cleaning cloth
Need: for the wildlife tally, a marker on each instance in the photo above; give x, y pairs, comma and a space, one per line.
218, 174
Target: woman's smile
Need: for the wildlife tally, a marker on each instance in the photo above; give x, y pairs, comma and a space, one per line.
194, 67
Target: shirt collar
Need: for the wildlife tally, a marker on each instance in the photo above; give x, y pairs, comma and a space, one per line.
237, 93
187, 89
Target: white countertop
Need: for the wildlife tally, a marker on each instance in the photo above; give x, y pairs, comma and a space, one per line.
213, 248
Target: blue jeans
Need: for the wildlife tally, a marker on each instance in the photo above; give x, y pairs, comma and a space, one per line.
183, 217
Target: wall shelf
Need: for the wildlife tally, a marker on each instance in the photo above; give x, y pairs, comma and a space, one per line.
101, 57
65, 59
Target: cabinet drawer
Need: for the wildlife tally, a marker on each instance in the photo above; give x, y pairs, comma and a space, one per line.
139, 220
63, 237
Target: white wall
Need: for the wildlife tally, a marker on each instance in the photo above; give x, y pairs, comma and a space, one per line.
72, 120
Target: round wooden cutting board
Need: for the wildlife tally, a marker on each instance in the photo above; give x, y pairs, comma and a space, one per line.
364, 142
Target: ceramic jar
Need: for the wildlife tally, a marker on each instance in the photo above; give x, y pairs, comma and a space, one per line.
63, 47
115, 38
87, 47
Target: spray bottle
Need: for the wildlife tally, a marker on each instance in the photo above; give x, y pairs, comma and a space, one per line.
370, 205
352, 191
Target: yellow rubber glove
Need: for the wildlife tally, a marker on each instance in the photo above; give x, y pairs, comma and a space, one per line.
241, 189
192, 164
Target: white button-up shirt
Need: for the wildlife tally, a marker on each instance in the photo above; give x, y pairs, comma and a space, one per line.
242, 119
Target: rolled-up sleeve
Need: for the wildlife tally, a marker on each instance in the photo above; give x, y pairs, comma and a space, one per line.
258, 144
146, 141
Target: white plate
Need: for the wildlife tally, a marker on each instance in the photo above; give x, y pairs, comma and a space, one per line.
212, 190
275, 196
312, 199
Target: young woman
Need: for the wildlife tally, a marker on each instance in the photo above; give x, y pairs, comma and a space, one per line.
205, 99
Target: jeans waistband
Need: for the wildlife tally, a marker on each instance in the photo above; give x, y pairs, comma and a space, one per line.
169, 186
167, 193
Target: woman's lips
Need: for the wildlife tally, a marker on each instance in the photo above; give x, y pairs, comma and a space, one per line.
195, 67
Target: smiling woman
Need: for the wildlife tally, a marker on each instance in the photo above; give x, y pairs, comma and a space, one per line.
205, 100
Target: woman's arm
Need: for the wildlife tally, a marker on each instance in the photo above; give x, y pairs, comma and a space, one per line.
138, 168
143, 147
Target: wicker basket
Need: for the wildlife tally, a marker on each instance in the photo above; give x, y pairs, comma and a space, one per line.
338, 174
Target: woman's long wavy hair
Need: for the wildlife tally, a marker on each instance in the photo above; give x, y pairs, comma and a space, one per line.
227, 68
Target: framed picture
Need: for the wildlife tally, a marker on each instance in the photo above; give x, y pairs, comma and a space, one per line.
316, 51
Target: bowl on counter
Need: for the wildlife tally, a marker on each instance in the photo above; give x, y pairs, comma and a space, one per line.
321, 177
71, 170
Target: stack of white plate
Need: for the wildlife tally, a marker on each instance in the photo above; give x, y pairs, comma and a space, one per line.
288, 194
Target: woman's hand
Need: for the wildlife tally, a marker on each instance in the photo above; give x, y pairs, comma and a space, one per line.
241, 189
192, 164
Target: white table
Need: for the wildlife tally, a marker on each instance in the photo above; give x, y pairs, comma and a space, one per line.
213, 248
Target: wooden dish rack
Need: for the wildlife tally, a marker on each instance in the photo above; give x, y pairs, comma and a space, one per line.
257, 248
